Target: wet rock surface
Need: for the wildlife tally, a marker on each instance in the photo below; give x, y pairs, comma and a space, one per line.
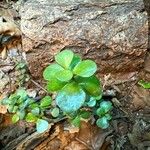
113, 33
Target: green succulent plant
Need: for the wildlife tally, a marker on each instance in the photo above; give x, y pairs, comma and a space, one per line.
78, 95
77, 87
73, 79
144, 84
27, 108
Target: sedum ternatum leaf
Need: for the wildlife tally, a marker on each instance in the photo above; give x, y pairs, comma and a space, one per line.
70, 98
91, 85
64, 75
15, 118
76, 121
46, 101
100, 111
50, 71
41, 125
102, 123
55, 85
145, 85
31, 117
106, 105
22, 93
85, 114
33, 105
85, 68
91, 102
21, 114
108, 116
76, 59
35, 111
55, 112
64, 58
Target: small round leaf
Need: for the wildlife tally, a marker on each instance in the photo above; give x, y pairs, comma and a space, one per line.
31, 117
85, 68
76, 59
64, 75
35, 111
64, 58
50, 71
70, 98
92, 102
102, 123
41, 125
100, 112
22, 93
46, 101
108, 116
15, 118
85, 114
106, 105
21, 114
55, 112
55, 85
76, 121
91, 85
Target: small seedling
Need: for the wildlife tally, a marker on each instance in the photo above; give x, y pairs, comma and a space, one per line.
77, 88
78, 95
144, 84
27, 108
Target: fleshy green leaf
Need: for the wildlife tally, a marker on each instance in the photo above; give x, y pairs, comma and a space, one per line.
102, 123
100, 112
10, 108
85, 114
76, 121
76, 59
33, 105
64, 58
15, 109
50, 71
106, 105
91, 85
5, 101
15, 118
108, 116
64, 75
22, 93
35, 111
85, 68
21, 114
55, 112
23, 105
145, 85
41, 125
31, 117
70, 98
100, 96
20, 100
92, 102
55, 85
46, 101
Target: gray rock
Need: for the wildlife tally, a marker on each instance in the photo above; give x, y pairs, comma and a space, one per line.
114, 33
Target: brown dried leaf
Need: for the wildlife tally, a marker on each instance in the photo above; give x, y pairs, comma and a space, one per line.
3, 109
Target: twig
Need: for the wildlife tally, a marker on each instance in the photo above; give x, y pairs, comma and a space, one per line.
84, 143
38, 85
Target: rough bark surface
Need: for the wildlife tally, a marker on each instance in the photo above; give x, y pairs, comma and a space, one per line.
114, 33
